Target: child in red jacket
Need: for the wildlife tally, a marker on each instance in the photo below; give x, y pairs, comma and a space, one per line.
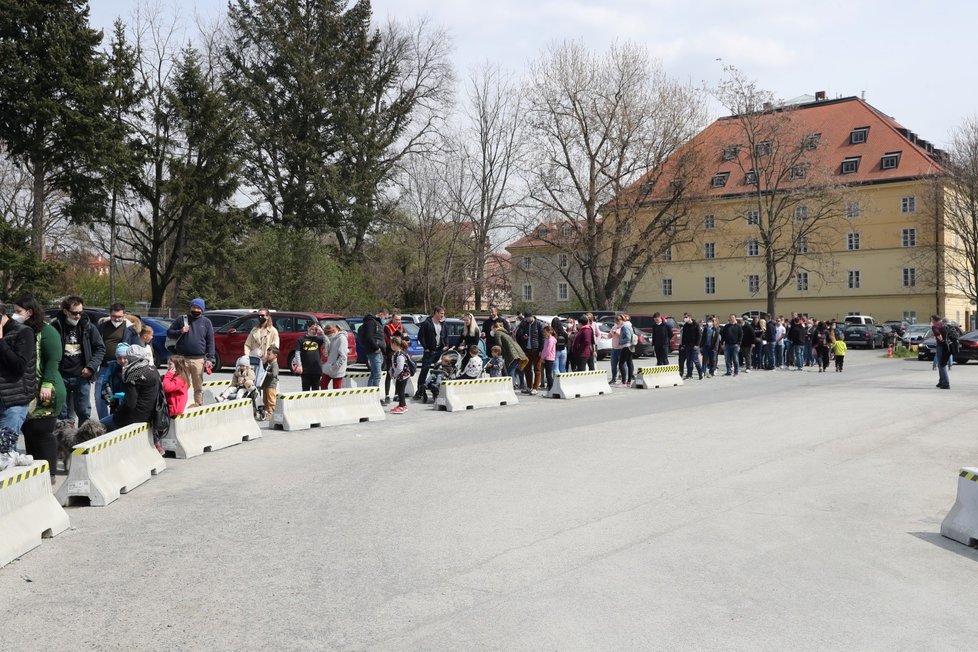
176, 384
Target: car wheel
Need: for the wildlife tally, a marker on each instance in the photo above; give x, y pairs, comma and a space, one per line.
217, 361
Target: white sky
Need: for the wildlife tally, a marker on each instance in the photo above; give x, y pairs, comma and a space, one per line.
914, 59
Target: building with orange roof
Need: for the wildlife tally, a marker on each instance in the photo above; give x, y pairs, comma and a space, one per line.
865, 235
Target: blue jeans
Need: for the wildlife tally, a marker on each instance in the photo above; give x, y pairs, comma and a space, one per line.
692, 356
560, 364
942, 366
101, 406
779, 354
769, 353
615, 355
799, 350
109, 422
516, 374
375, 361
13, 417
731, 355
710, 360
78, 399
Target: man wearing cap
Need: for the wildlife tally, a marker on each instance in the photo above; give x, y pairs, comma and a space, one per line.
195, 343
529, 335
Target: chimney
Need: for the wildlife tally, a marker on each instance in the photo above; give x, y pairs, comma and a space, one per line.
820, 96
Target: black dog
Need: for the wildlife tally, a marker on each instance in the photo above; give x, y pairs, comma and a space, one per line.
68, 436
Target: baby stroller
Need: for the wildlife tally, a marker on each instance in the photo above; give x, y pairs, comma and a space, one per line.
235, 393
440, 372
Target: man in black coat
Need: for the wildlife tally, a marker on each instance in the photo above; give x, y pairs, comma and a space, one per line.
690, 334
730, 337
83, 350
661, 336
487, 327
371, 337
432, 337
18, 357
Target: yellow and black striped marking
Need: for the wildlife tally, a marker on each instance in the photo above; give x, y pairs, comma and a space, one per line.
109, 442
581, 374
477, 381
967, 475
359, 374
216, 383
220, 407
25, 475
664, 369
329, 392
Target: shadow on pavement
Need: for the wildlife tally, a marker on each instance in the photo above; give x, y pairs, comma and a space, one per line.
947, 544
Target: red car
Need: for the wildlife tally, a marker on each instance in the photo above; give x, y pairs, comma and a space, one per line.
229, 339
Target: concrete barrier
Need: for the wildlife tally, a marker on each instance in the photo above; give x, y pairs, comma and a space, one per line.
110, 465
579, 384
961, 523
28, 510
329, 407
667, 375
476, 393
212, 389
359, 379
211, 427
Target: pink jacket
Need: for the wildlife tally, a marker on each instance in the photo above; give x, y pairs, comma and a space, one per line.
549, 350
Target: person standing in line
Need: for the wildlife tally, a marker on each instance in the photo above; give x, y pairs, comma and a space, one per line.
115, 329
581, 346
269, 382
560, 364
690, 336
747, 341
595, 336
308, 362
393, 328
431, 337
661, 336
371, 338
710, 345
336, 358
529, 335
941, 353
779, 340
616, 344
731, 336
39, 427
626, 353
488, 326
261, 338
400, 370
82, 352
195, 342
548, 353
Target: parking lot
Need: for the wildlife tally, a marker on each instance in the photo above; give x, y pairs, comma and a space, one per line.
777, 510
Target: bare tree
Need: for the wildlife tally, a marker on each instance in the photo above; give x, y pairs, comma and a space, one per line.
597, 123
961, 207
792, 205
483, 185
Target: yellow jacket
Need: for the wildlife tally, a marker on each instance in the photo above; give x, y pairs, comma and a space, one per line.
839, 347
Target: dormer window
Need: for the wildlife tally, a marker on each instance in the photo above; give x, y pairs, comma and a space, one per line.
811, 141
541, 232
750, 178
720, 179
850, 165
565, 230
890, 161
799, 171
763, 148
859, 135
730, 152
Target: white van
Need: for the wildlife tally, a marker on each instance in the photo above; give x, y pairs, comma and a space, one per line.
863, 320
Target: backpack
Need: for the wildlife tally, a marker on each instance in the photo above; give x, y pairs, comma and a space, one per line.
411, 366
952, 338
161, 416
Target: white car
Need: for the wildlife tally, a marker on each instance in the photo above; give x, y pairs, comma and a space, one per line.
604, 340
916, 334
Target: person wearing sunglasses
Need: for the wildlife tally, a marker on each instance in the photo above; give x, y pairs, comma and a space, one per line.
82, 353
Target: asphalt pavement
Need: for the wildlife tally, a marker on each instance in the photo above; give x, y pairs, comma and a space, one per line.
776, 510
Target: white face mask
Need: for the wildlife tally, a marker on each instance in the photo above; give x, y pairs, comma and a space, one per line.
73, 321
117, 323
19, 318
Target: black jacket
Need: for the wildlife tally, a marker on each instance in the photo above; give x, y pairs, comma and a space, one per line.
371, 335
488, 324
427, 338
530, 334
732, 334
690, 334
661, 334
93, 348
139, 403
748, 338
18, 356
714, 340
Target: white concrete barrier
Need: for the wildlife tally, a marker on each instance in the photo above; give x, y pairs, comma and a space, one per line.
961, 523
211, 389
667, 375
359, 379
579, 384
110, 465
328, 407
211, 427
470, 394
28, 510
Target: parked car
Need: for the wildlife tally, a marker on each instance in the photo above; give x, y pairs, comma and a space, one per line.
229, 339
868, 336
916, 334
221, 317
862, 320
642, 349
414, 349
968, 352
646, 322
604, 341
897, 326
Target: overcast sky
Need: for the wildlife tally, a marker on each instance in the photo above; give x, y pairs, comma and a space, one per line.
913, 59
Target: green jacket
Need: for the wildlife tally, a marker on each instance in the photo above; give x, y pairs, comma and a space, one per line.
511, 350
49, 352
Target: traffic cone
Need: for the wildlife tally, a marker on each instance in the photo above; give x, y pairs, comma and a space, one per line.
889, 351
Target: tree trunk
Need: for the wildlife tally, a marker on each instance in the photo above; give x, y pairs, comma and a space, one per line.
112, 237
37, 218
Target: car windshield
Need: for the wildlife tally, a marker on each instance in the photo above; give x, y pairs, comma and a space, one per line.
410, 329
920, 328
342, 324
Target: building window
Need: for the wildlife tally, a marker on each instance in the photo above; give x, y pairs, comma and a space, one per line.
763, 148
802, 245
890, 161
710, 284
720, 179
910, 316
801, 213
799, 171
853, 209
811, 141
859, 135
730, 152
525, 263
909, 237
565, 230
909, 277
542, 232
850, 165
710, 250
667, 287
562, 261
709, 222
527, 292
854, 279
753, 283
667, 254
852, 242
908, 205
750, 178
753, 218
801, 279
753, 249
561, 292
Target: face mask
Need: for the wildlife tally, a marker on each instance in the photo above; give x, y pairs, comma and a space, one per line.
19, 318
195, 314
117, 323
262, 320
73, 321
